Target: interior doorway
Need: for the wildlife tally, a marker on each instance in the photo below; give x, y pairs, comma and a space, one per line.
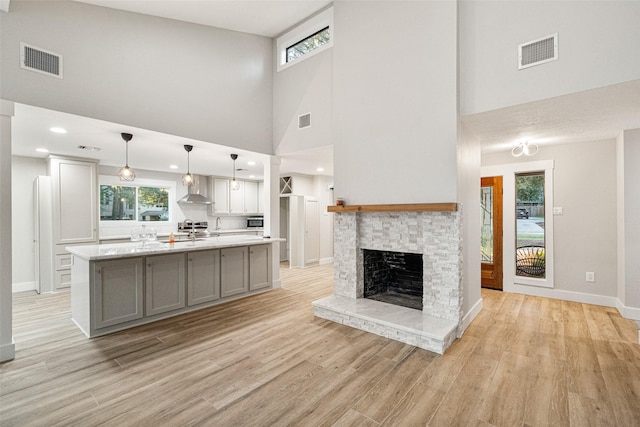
284, 229
491, 232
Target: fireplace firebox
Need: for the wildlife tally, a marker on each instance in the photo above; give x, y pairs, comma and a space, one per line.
393, 277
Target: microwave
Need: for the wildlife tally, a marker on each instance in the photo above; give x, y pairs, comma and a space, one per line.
255, 222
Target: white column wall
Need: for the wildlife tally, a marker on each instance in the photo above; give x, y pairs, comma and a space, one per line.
7, 347
272, 212
628, 289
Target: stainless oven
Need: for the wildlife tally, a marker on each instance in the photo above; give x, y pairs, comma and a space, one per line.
255, 222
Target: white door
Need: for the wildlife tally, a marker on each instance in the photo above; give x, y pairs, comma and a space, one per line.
311, 231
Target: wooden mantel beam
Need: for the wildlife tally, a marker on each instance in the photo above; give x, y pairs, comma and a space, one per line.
410, 207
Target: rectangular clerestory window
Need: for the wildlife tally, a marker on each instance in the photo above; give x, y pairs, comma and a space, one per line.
306, 40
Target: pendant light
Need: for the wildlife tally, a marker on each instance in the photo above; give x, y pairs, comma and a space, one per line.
234, 185
187, 178
126, 173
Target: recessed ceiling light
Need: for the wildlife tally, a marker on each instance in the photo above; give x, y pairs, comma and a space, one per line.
251, 163
173, 166
58, 130
252, 176
42, 150
320, 169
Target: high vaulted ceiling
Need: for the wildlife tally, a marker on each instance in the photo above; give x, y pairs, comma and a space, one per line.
263, 17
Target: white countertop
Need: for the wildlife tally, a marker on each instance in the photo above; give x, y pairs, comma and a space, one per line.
177, 233
134, 249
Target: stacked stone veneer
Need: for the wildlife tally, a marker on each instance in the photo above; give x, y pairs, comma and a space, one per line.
435, 235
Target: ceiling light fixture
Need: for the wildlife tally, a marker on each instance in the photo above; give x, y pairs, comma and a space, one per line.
126, 173
524, 148
234, 185
320, 169
173, 166
58, 130
251, 163
187, 178
42, 150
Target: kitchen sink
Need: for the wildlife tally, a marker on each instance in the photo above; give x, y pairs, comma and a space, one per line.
197, 239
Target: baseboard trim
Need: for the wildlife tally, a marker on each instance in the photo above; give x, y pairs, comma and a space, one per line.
23, 287
468, 318
7, 352
580, 297
627, 312
276, 284
326, 261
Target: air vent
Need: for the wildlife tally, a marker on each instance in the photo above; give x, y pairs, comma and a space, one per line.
41, 61
304, 121
538, 51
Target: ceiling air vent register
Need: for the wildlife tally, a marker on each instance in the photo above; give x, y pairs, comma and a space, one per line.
40, 60
538, 51
304, 121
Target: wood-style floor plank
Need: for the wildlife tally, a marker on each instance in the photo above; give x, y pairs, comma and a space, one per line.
267, 361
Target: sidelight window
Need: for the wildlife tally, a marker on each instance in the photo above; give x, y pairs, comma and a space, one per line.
530, 225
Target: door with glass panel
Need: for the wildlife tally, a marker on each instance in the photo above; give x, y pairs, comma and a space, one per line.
491, 232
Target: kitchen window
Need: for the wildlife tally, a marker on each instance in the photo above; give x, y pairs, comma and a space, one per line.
142, 201
125, 203
306, 40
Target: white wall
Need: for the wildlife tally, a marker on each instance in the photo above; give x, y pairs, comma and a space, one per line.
7, 347
596, 41
300, 89
585, 235
469, 201
325, 198
628, 289
24, 170
394, 105
183, 79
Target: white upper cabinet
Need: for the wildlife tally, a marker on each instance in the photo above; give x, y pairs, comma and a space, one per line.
236, 200
220, 196
251, 197
247, 200
75, 204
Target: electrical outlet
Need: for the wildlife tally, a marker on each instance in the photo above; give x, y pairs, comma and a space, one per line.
591, 276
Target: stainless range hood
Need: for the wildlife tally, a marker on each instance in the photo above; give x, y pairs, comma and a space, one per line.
193, 196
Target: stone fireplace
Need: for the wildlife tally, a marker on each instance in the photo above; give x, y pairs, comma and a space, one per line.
430, 231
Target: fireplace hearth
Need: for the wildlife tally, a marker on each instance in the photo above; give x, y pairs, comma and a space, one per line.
427, 232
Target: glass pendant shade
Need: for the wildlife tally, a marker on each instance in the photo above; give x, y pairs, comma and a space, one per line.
126, 173
233, 184
187, 178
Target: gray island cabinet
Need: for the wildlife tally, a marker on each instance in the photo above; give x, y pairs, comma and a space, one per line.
118, 286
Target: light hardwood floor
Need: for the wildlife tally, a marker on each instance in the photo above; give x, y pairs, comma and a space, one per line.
266, 361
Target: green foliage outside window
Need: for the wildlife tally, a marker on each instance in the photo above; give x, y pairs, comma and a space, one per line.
122, 203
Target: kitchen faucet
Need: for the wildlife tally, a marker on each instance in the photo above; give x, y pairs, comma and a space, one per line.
218, 223
192, 233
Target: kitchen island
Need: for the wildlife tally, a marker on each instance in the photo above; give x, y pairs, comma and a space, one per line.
118, 286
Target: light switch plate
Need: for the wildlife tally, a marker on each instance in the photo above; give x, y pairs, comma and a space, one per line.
557, 210
590, 276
